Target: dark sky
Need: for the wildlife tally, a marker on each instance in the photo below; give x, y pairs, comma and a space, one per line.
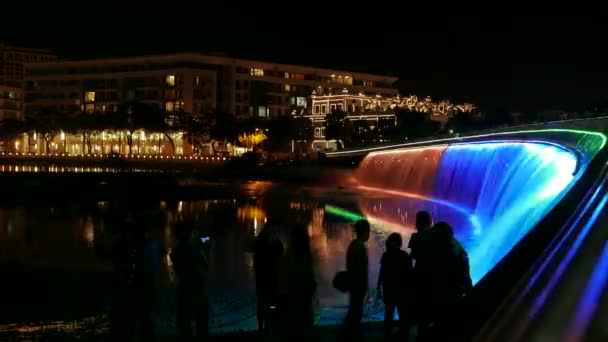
499, 62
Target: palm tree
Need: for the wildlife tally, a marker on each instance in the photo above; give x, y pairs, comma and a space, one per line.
47, 122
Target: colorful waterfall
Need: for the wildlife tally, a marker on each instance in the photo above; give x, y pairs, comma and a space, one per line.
500, 190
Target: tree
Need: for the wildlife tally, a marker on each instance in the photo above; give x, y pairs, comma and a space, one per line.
253, 139
196, 128
10, 129
161, 123
133, 116
224, 130
301, 130
362, 134
412, 125
462, 123
86, 125
336, 127
285, 129
47, 123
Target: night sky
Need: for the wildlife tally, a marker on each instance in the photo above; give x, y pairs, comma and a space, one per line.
504, 63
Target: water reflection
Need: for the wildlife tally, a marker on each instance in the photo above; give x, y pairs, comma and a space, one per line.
72, 238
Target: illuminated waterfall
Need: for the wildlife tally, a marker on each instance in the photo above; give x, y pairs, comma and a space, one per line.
502, 188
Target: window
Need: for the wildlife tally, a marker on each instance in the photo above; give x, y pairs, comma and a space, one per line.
90, 96
301, 101
89, 108
257, 72
322, 131
169, 106
287, 75
131, 95
316, 109
317, 132
170, 80
323, 109
369, 83
297, 76
287, 88
197, 81
340, 106
11, 95
333, 107
263, 111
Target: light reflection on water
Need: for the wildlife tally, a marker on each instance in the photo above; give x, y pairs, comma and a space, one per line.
69, 238
70, 169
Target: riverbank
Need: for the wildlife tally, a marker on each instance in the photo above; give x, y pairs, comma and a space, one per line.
209, 181
371, 332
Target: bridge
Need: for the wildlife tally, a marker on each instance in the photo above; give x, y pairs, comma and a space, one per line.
532, 200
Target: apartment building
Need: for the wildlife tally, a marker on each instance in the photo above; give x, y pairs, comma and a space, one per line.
13, 60
11, 102
190, 82
12, 71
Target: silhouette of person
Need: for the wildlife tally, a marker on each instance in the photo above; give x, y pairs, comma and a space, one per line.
267, 252
451, 279
357, 268
424, 222
421, 246
394, 283
148, 260
122, 322
457, 268
298, 285
190, 262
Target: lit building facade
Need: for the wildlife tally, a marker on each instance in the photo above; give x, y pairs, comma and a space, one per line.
192, 83
369, 112
373, 110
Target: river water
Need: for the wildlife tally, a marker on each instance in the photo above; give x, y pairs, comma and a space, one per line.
54, 268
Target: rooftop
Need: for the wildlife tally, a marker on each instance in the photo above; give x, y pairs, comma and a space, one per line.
202, 58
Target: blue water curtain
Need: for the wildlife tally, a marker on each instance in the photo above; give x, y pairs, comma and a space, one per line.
507, 189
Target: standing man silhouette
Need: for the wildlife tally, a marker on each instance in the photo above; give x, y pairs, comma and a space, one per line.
357, 268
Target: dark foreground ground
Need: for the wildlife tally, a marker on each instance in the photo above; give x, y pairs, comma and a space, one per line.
372, 332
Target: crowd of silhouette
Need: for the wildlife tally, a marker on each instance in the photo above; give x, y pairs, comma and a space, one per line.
137, 260
421, 285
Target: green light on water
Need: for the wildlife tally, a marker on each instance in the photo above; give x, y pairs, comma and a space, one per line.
343, 213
